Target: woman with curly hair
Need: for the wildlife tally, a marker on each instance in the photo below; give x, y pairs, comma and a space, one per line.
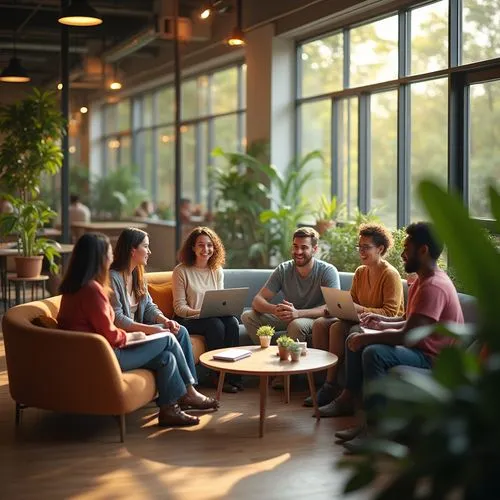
376, 287
201, 259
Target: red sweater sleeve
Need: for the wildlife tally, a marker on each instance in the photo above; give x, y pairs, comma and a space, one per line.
101, 315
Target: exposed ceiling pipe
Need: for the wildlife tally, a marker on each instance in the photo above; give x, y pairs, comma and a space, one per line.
103, 10
42, 48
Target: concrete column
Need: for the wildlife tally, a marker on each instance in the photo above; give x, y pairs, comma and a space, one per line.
270, 92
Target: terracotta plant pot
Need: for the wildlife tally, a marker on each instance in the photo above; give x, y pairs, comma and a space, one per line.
265, 341
284, 353
323, 225
29, 267
295, 356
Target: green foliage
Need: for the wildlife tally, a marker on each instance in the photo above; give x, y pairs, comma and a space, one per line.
329, 210
29, 217
450, 419
265, 331
31, 130
117, 194
251, 233
165, 212
291, 208
295, 347
285, 341
240, 195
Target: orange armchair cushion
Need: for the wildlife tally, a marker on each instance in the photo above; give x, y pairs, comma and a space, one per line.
162, 296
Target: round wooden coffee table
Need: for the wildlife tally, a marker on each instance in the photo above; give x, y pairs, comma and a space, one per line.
264, 363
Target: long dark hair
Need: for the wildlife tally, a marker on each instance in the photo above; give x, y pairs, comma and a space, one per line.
87, 263
129, 239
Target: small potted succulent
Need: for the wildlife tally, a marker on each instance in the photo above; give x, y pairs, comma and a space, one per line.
265, 333
284, 342
295, 351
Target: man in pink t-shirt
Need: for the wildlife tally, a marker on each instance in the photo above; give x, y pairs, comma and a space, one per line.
432, 298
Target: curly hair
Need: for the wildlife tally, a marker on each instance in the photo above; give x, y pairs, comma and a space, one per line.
379, 234
188, 257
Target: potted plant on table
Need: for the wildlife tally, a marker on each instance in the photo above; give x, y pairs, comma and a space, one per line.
26, 220
328, 213
265, 334
295, 350
284, 342
31, 129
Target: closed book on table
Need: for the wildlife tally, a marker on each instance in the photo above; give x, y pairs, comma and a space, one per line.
232, 355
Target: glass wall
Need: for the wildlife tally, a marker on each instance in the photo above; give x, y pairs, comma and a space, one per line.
137, 133
375, 99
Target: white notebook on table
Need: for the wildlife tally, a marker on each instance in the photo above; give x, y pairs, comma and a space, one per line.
148, 338
232, 355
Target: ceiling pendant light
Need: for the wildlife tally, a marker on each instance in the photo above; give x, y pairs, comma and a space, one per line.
14, 72
237, 38
206, 11
80, 13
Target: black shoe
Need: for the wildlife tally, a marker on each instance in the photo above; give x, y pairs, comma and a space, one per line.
238, 384
326, 394
227, 387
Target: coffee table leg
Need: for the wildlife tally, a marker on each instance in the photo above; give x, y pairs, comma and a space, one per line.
264, 380
287, 389
220, 385
312, 389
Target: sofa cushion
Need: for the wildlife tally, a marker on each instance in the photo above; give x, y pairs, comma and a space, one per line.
46, 322
199, 346
162, 296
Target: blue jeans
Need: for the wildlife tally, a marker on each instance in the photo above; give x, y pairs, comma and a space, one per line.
374, 361
171, 358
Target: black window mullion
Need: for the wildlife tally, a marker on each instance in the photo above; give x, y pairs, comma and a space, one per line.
211, 146
298, 72
455, 31
458, 139
347, 56
336, 188
198, 158
404, 43
404, 148
364, 153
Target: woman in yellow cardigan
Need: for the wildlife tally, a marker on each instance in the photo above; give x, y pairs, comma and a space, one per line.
376, 287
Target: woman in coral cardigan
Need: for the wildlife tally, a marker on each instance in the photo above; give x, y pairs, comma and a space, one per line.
201, 259
376, 287
85, 306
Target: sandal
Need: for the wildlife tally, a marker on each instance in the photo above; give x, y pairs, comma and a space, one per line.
207, 403
173, 416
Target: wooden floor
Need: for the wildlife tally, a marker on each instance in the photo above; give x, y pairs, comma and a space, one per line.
55, 456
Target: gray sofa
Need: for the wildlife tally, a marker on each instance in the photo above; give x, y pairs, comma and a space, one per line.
255, 279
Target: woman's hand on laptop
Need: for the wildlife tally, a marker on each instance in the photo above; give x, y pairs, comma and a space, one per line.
133, 336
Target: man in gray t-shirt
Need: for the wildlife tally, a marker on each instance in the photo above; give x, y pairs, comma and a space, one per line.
300, 281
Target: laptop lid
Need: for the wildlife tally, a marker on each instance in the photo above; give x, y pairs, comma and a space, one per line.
227, 302
340, 304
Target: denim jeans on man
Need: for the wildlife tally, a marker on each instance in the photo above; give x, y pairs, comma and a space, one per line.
171, 358
374, 361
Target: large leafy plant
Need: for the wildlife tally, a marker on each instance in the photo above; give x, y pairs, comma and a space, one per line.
31, 130
450, 418
27, 218
117, 194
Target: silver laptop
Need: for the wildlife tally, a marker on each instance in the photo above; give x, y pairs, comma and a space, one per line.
227, 302
340, 304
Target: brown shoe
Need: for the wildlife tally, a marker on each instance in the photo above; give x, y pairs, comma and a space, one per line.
201, 403
173, 416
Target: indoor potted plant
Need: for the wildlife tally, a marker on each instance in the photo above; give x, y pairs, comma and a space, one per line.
328, 213
27, 218
295, 351
265, 334
284, 342
31, 130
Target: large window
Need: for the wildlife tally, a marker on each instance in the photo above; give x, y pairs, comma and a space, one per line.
138, 134
375, 98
